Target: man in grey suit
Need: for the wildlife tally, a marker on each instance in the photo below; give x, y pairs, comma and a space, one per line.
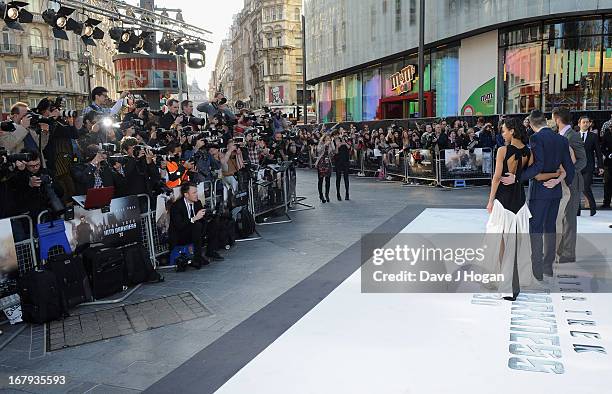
567, 246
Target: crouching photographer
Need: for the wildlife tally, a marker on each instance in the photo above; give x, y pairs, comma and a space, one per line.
36, 188
188, 225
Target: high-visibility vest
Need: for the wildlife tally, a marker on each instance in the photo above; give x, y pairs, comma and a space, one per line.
176, 176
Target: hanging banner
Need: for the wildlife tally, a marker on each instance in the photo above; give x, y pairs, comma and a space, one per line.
121, 225
482, 101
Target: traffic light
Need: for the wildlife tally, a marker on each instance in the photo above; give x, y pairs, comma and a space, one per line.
299, 112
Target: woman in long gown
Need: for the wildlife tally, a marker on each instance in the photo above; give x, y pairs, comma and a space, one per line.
508, 224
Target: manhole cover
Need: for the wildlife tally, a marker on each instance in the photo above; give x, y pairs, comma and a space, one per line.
123, 320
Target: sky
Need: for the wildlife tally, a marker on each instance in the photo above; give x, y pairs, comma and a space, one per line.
212, 15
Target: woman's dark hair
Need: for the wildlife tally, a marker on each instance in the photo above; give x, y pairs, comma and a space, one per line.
518, 131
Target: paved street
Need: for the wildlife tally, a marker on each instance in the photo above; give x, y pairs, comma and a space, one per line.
253, 274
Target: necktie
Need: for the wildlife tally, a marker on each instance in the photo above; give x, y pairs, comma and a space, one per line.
191, 214
584, 134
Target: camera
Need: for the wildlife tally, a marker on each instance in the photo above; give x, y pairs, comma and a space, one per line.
194, 120
222, 101
36, 119
239, 140
114, 159
7, 126
66, 113
108, 148
6, 158
46, 184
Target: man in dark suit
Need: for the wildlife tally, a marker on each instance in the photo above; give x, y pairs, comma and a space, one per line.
172, 117
594, 159
550, 151
606, 149
187, 225
566, 250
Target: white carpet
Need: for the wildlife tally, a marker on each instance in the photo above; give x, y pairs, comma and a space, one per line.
430, 343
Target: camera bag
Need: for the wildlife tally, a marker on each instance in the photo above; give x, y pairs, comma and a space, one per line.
72, 280
105, 269
138, 266
245, 223
40, 297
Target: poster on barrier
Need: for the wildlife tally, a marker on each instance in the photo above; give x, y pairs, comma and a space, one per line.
464, 162
420, 163
8, 253
162, 209
120, 225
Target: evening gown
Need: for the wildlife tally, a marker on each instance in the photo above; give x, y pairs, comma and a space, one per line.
508, 229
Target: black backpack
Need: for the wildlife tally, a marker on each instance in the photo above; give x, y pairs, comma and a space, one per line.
245, 223
138, 266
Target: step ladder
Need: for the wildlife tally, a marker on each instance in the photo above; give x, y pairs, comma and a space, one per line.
460, 183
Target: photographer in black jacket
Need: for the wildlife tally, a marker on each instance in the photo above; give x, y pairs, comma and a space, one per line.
139, 169
172, 117
36, 188
93, 173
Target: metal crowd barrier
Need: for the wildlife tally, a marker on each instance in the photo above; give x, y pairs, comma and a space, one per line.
421, 165
262, 202
467, 165
294, 199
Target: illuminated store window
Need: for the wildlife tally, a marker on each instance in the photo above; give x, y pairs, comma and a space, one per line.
371, 93
522, 78
445, 80
353, 98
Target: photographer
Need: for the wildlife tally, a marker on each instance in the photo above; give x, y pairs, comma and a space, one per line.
100, 101
231, 163
188, 118
277, 148
91, 133
217, 106
36, 189
94, 172
139, 169
60, 150
203, 157
23, 136
172, 118
140, 111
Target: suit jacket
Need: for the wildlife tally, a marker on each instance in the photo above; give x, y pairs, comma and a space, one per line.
593, 152
606, 147
577, 146
550, 150
180, 224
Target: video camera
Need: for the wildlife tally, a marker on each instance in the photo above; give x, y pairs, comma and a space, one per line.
6, 158
108, 148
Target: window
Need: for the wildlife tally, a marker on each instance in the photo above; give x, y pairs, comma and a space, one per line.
35, 6
36, 39
10, 73
274, 67
279, 41
38, 73
297, 14
273, 13
8, 102
398, 15
33, 102
59, 44
298, 65
61, 75
280, 12
384, 6
280, 65
412, 20
298, 38
7, 38
269, 41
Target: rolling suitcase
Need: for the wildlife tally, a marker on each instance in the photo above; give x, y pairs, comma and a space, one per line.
105, 269
71, 278
40, 297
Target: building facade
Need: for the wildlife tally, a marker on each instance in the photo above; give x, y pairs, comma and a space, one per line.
34, 64
222, 78
197, 94
265, 55
481, 57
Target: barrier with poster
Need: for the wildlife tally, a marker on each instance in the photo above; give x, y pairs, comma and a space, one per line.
457, 166
420, 164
